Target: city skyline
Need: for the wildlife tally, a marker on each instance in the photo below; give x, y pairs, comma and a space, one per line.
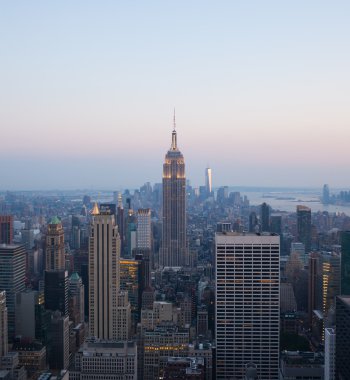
88, 90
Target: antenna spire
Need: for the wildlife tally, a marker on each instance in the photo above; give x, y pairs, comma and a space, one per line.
174, 121
173, 135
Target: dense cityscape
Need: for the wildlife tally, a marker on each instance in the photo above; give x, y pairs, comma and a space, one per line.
172, 282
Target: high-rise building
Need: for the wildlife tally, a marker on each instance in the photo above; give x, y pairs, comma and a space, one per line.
59, 341
3, 325
342, 350
6, 229
104, 255
208, 181
247, 305
76, 290
304, 226
55, 252
329, 354
325, 194
144, 232
12, 279
25, 313
173, 251
56, 290
265, 217
345, 262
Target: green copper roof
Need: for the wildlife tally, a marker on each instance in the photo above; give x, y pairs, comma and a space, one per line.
74, 276
55, 220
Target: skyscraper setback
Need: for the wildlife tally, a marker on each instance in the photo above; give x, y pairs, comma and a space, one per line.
174, 246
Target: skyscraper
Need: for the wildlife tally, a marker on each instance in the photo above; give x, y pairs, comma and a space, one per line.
247, 305
55, 246
208, 181
56, 290
6, 229
304, 226
104, 255
342, 350
265, 217
12, 279
3, 325
174, 247
345, 262
143, 236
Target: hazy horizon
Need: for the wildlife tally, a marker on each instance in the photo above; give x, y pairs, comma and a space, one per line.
88, 90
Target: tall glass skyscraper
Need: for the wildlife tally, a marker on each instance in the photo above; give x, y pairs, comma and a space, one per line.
173, 251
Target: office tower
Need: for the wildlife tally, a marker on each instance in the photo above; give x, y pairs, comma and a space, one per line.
76, 291
104, 255
276, 224
304, 226
6, 229
265, 217
253, 222
174, 246
208, 181
75, 233
12, 279
123, 321
25, 313
59, 342
56, 290
120, 223
100, 360
3, 325
202, 320
329, 354
247, 305
325, 195
54, 253
342, 339
324, 285
299, 250
345, 262
27, 238
314, 296
130, 282
222, 194
144, 233
131, 231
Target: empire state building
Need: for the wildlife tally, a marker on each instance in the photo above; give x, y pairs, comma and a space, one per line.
173, 251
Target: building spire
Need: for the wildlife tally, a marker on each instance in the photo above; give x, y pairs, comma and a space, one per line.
173, 136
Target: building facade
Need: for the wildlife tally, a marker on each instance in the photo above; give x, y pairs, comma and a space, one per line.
3, 325
6, 229
104, 255
173, 251
144, 232
247, 305
12, 279
105, 360
55, 251
304, 226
